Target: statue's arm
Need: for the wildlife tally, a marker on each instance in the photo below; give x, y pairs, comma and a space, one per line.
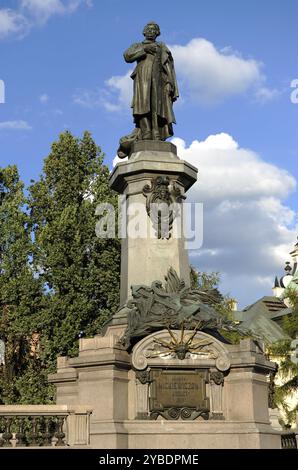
134, 52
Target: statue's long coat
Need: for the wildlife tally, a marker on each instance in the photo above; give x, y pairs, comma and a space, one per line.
160, 68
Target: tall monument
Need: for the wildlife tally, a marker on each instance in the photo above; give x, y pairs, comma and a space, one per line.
160, 374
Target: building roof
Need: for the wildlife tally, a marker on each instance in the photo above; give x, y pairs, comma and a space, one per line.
258, 318
270, 303
280, 313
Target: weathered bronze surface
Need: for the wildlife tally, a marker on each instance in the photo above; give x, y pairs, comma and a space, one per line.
171, 306
178, 394
155, 90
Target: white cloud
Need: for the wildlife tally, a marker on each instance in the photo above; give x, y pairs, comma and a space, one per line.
118, 160
210, 75
245, 174
88, 98
42, 10
248, 228
115, 96
206, 75
15, 125
44, 98
264, 94
12, 23
18, 22
119, 86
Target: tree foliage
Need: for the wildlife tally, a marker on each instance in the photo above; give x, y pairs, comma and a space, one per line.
223, 304
58, 281
21, 293
288, 369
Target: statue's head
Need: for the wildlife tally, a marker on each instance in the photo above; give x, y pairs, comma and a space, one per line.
151, 30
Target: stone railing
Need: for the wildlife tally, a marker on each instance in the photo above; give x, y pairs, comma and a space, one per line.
44, 425
289, 441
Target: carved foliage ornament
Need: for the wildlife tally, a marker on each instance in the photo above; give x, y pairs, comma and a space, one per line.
163, 200
184, 413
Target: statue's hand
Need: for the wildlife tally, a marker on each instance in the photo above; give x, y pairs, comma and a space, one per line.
150, 48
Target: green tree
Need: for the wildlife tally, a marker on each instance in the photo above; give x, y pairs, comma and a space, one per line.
79, 270
20, 296
290, 322
223, 304
58, 280
288, 369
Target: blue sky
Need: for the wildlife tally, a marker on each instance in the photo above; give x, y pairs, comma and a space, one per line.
63, 68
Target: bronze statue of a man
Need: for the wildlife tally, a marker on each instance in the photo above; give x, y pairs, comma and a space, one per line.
155, 89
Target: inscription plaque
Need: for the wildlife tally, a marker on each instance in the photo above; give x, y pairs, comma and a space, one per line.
178, 394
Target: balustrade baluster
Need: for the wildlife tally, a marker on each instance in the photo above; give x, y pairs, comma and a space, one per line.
7, 435
33, 434
60, 435
20, 435
47, 434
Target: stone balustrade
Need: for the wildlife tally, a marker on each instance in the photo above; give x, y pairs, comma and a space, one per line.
44, 425
289, 440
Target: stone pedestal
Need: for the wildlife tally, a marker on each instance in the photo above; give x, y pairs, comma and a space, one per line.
144, 258
116, 385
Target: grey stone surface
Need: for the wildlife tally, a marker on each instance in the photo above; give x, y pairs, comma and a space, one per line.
275, 418
149, 163
143, 259
153, 145
106, 382
140, 434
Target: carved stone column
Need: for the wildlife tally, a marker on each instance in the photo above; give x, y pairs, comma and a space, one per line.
153, 173
216, 380
142, 395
